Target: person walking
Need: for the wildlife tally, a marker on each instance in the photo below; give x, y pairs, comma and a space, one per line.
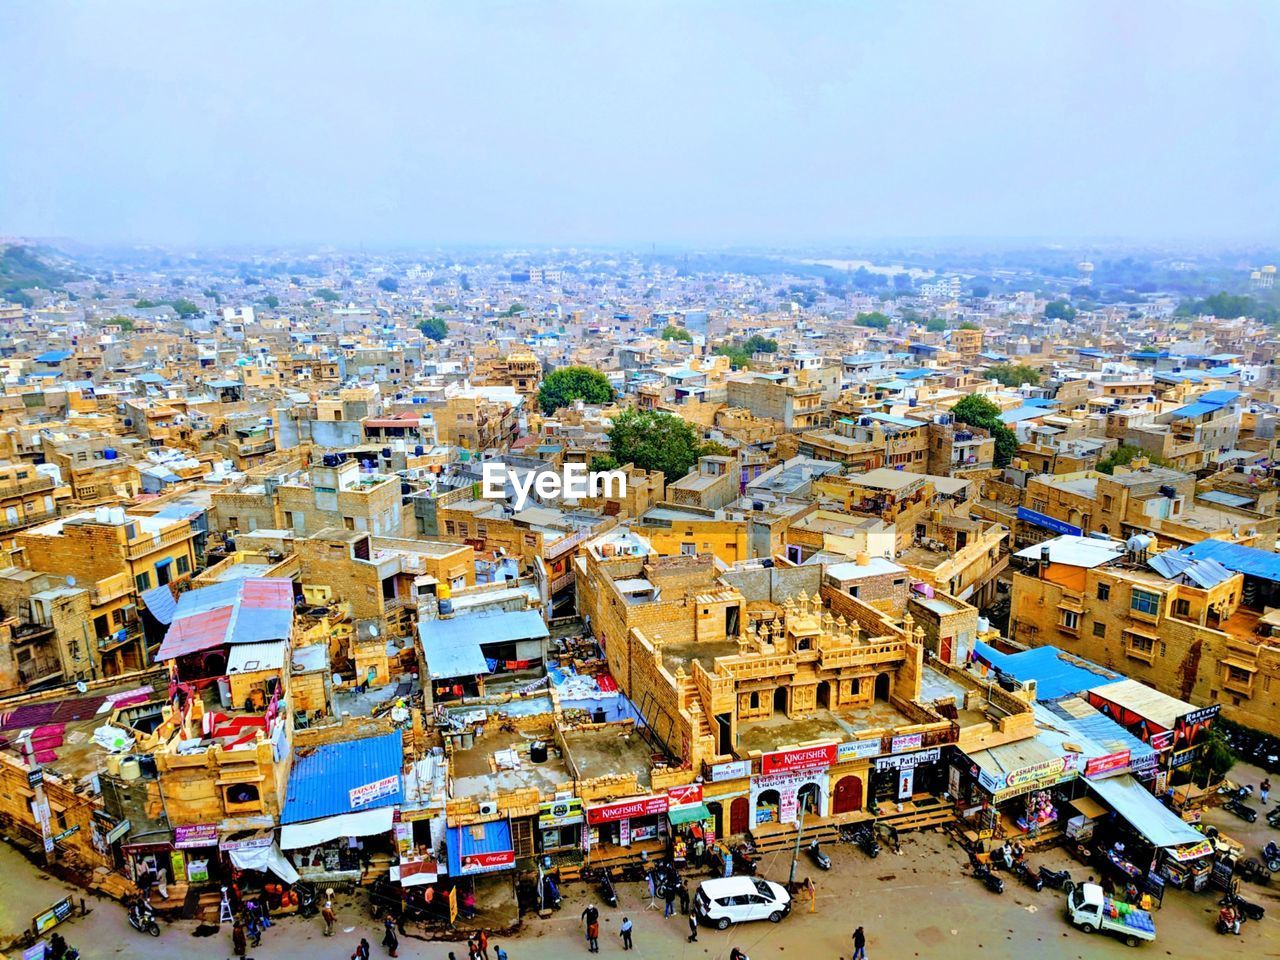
1264, 789
327, 914
859, 945
482, 942
625, 932
669, 898
736, 954
389, 938
591, 917
499, 953
362, 951
693, 928
239, 946
683, 893
251, 926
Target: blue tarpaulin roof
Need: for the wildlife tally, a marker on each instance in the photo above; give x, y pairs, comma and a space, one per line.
1057, 673
1250, 561
473, 841
1197, 409
321, 781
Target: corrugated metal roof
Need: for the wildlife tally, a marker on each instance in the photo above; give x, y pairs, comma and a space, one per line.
1100, 728
1250, 561
487, 628
160, 602
323, 777
248, 610
1223, 498
252, 657
1056, 673
1087, 552
1147, 702
1203, 573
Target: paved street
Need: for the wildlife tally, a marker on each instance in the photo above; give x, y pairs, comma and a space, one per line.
916, 905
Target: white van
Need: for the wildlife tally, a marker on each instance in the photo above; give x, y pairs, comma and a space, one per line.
727, 900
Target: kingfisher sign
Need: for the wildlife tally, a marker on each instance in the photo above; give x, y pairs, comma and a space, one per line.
802, 758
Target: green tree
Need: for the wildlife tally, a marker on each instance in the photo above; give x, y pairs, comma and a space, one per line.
654, 441
936, 325
561, 387
758, 344
673, 332
604, 461
512, 310
714, 448
1059, 310
1216, 757
185, 308
969, 325
739, 359
434, 328
977, 411
980, 290
1123, 455
144, 304
1014, 374
327, 295
271, 301
876, 320
124, 323
389, 284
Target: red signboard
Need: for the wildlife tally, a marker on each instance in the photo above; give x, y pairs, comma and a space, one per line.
690, 793
487, 861
626, 809
1110, 763
803, 758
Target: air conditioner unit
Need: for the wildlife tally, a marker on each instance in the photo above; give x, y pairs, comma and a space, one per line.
488, 808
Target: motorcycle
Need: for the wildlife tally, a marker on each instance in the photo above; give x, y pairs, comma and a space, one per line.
984, 873
1058, 879
818, 857
744, 860
1271, 856
307, 901
1253, 871
865, 838
142, 918
1273, 818
607, 892
1028, 876
1241, 809
550, 893
1243, 907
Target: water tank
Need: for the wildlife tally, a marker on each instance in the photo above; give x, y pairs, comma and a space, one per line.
108, 454
113, 764
983, 624
117, 515
130, 769
538, 751
147, 766
102, 515
446, 607
467, 740
417, 450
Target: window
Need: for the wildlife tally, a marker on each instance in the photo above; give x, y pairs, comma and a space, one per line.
349, 523
184, 565
1144, 601
143, 581
1104, 591
1236, 675
688, 549
1141, 644
288, 519
1100, 630
1182, 607
755, 699
1070, 620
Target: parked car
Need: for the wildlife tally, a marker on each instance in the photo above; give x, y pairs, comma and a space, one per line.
725, 900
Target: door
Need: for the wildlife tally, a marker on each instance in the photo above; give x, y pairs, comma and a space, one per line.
739, 815
848, 797
944, 649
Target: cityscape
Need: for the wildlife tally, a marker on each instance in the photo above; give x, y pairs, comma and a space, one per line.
505, 483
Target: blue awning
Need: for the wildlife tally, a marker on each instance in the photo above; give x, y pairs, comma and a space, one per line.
480, 848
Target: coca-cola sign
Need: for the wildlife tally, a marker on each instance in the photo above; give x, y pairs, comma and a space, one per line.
801, 758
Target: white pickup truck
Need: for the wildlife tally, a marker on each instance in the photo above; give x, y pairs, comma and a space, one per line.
1090, 910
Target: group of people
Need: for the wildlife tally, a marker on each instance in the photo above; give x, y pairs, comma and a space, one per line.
253, 917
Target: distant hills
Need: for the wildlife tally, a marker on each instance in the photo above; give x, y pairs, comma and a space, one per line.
22, 268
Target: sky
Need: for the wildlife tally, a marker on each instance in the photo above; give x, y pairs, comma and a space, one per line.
611, 122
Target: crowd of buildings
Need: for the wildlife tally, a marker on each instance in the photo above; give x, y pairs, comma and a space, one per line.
256, 615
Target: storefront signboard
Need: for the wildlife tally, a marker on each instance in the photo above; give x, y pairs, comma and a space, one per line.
560, 813
908, 761
801, 758
857, 750
906, 782
733, 770
118, 831
1046, 772
484, 862
1111, 764
194, 835
1184, 757
910, 741
359, 796
626, 809
689, 793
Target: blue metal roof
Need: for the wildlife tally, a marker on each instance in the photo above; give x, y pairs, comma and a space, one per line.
160, 602
1018, 414
1204, 573
1091, 352
452, 647
1057, 674
1250, 561
1039, 402
1220, 397
321, 781
494, 837
53, 356
1197, 409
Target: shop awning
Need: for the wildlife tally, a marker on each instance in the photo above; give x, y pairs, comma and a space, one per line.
688, 813
363, 823
1089, 807
264, 858
1151, 818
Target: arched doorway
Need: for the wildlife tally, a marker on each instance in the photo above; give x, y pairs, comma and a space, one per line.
717, 816
780, 700
848, 795
882, 686
768, 806
739, 815
809, 799
824, 695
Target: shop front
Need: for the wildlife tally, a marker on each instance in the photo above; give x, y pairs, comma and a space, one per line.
337, 848
692, 825
627, 829
254, 852
150, 862
791, 781
560, 826
480, 848
727, 793
902, 778
196, 846
1019, 786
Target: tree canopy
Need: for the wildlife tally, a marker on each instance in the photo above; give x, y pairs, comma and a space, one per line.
977, 411
673, 332
271, 301
327, 295
654, 441
758, 344
1228, 306
561, 387
1059, 310
969, 325
1014, 374
389, 284
875, 319
936, 325
1123, 455
434, 328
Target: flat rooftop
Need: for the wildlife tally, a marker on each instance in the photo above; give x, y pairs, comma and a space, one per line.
477, 772
780, 730
614, 749
683, 654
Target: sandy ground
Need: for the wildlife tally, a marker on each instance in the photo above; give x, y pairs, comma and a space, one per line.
919, 904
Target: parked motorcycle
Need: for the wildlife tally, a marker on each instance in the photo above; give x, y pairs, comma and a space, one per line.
607, 891
550, 893
142, 918
307, 900
1243, 907
984, 873
1253, 871
1028, 876
818, 857
1058, 879
1273, 818
865, 838
744, 861
1241, 809
1271, 856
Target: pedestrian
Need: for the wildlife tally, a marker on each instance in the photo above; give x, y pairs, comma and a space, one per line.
238, 945
693, 928
499, 953
1264, 789
669, 898
362, 951
736, 954
389, 938
859, 945
482, 942
327, 914
683, 893
57, 946
252, 927
591, 917
264, 909
625, 931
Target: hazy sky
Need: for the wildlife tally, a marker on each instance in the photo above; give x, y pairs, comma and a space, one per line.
631, 122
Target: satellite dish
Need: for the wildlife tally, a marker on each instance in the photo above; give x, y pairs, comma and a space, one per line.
81, 686
373, 630
71, 581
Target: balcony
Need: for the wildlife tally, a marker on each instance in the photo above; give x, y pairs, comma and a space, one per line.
110, 588
31, 634
38, 672
129, 634
145, 547
29, 520
40, 484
